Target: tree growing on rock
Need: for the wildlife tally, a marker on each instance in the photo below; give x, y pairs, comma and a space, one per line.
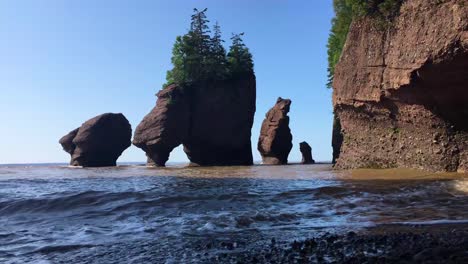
199, 56
217, 62
200, 44
239, 57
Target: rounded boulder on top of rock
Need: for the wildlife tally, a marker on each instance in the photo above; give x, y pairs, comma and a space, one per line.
306, 151
275, 140
99, 141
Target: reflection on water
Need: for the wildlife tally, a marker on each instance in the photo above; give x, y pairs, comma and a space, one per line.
59, 210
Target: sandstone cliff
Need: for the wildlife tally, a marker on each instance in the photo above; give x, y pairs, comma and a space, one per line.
401, 92
306, 152
212, 119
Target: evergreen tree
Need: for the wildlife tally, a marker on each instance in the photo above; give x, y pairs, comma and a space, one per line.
200, 41
178, 73
338, 34
197, 56
190, 51
217, 59
239, 57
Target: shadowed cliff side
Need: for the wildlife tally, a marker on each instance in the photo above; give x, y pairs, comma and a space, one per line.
212, 119
400, 93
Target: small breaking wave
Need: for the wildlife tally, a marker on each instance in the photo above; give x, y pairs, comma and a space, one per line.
62, 202
61, 248
433, 222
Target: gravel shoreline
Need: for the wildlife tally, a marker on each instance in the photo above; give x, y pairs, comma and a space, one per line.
388, 244
435, 243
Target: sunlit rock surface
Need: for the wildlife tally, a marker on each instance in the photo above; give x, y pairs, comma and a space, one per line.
400, 92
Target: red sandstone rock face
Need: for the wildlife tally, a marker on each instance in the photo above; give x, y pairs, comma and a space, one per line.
275, 140
401, 93
212, 119
165, 127
99, 141
306, 151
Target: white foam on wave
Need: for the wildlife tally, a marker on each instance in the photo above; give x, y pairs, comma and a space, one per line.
434, 222
207, 227
461, 186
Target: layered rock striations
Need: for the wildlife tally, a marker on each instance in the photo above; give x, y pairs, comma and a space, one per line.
99, 141
275, 140
211, 119
401, 93
306, 152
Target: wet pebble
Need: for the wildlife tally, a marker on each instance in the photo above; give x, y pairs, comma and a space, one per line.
399, 247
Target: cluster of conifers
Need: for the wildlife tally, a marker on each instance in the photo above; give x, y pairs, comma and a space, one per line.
199, 55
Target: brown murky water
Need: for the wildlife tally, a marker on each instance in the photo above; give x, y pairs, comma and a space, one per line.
137, 214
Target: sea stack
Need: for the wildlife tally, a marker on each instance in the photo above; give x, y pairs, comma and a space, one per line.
99, 141
306, 151
165, 127
212, 119
275, 140
400, 92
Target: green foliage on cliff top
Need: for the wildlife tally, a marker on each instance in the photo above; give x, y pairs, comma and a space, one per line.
383, 11
198, 55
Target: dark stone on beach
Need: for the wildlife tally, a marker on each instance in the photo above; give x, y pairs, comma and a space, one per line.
99, 141
306, 151
275, 140
389, 247
211, 119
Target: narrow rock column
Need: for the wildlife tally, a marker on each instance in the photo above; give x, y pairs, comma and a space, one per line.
275, 140
306, 151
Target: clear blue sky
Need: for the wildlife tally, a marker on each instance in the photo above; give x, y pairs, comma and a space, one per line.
63, 62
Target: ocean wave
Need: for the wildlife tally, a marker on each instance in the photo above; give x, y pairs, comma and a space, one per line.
461, 186
434, 222
64, 202
110, 201
61, 248
335, 191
